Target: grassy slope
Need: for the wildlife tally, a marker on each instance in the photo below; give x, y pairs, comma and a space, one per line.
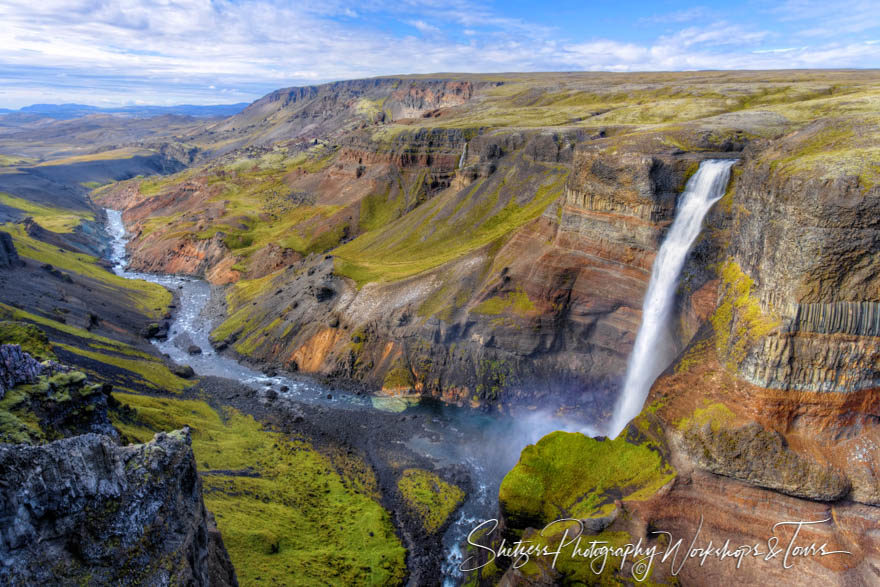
452, 224
150, 298
297, 521
103, 358
54, 219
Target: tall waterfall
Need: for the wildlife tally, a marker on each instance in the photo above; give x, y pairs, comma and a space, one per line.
653, 349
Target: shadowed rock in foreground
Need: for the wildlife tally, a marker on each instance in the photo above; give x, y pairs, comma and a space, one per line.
84, 509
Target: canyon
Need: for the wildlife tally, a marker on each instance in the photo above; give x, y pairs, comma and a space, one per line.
487, 241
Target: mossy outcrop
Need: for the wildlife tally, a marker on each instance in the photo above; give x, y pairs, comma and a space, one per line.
431, 498
570, 475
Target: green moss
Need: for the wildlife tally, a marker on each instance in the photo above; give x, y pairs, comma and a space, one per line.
516, 302
379, 209
694, 356
714, 414
18, 424
450, 225
296, 522
572, 475
738, 321
399, 377
431, 498
32, 340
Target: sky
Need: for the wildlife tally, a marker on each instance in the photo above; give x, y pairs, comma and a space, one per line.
124, 52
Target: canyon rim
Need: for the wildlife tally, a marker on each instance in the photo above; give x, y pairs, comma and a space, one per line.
519, 329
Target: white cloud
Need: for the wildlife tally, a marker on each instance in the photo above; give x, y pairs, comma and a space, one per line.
182, 50
423, 26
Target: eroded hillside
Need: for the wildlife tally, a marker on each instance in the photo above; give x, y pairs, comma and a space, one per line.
485, 237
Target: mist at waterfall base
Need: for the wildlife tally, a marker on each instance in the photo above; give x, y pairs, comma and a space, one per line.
487, 444
652, 352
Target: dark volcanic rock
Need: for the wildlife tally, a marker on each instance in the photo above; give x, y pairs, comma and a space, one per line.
84, 510
16, 367
184, 371
194, 349
8, 255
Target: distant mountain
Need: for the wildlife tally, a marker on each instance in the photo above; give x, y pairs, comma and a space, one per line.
68, 111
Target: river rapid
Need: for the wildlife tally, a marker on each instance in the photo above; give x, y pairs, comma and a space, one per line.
488, 445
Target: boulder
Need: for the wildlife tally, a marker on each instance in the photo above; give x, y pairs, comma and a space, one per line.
184, 371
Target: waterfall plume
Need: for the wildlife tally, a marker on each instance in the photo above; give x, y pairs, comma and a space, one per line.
652, 351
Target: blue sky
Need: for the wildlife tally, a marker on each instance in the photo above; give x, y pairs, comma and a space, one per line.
115, 52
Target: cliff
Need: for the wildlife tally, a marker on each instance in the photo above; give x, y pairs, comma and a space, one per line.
769, 414
86, 509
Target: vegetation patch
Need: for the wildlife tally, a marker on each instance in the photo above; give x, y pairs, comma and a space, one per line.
32, 340
451, 224
285, 513
738, 321
430, 497
516, 302
571, 475
51, 218
151, 372
399, 377
713, 414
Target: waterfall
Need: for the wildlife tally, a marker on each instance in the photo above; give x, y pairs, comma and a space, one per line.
463, 158
652, 352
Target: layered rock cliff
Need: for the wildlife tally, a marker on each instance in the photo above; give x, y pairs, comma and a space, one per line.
770, 413
491, 242
476, 266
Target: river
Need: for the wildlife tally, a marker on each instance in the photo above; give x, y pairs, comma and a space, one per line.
488, 445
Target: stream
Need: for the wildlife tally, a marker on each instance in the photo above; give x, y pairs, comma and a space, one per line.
488, 445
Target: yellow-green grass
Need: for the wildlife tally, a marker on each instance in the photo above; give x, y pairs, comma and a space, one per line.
242, 318
150, 372
17, 326
715, 414
429, 496
31, 339
150, 298
738, 320
516, 302
571, 475
298, 522
125, 153
14, 160
249, 189
846, 146
49, 217
444, 229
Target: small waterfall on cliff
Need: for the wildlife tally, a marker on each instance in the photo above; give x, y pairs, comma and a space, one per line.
463, 158
649, 356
